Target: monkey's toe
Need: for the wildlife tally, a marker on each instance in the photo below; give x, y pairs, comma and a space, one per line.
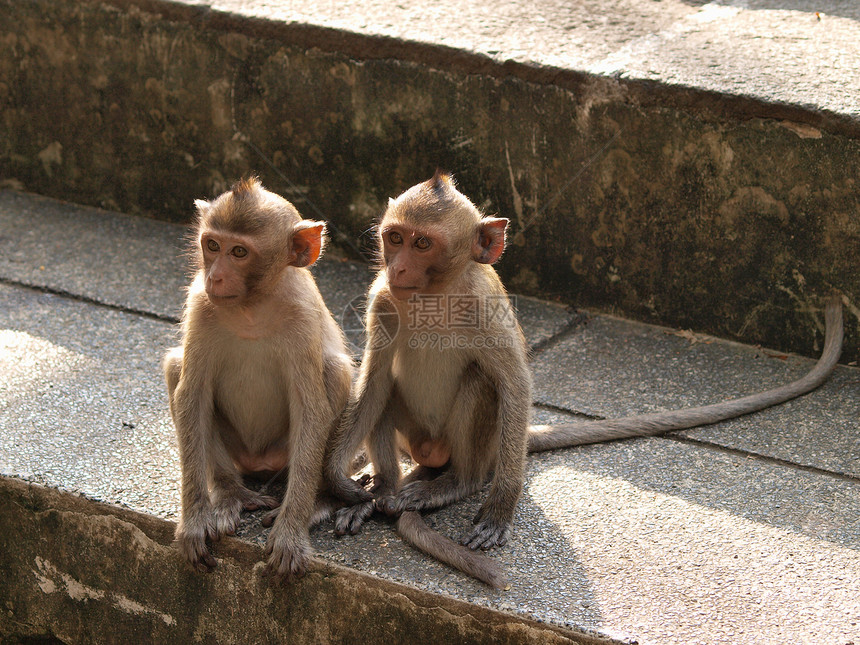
487, 535
270, 517
225, 519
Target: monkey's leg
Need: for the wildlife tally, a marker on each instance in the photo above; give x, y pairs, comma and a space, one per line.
470, 434
229, 495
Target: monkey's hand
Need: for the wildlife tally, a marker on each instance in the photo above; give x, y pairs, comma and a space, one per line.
352, 518
487, 532
191, 534
288, 555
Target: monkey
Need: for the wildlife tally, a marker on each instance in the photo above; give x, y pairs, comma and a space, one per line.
461, 409
261, 378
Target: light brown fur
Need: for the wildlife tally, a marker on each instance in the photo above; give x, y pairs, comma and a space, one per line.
261, 378
475, 401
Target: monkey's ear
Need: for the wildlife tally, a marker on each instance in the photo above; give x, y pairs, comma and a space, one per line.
307, 243
202, 205
490, 241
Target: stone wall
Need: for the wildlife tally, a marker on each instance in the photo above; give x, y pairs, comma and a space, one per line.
662, 204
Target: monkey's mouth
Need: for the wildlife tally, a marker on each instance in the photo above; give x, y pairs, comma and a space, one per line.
403, 293
221, 300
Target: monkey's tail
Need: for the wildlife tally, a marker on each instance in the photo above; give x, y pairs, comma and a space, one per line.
412, 528
551, 437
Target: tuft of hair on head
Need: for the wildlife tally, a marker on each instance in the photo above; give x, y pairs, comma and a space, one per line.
248, 209
245, 186
442, 179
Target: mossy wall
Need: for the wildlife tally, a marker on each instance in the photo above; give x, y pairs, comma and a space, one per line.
661, 204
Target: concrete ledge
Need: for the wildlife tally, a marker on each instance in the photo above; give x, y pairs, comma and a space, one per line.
87, 572
666, 203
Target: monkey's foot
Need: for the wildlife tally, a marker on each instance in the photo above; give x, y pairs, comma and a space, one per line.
487, 533
287, 555
227, 509
191, 540
352, 518
423, 495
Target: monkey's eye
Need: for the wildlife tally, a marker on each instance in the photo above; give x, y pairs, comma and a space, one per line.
422, 244
240, 251
395, 238
212, 245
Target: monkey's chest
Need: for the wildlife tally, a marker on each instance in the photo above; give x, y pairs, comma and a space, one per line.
428, 382
251, 396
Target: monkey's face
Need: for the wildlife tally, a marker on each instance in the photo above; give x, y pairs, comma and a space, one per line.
414, 259
230, 267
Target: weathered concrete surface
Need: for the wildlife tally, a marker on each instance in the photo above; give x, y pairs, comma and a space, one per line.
741, 532
715, 191
84, 572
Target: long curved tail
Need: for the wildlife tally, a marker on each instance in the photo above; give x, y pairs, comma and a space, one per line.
544, 437
412, 528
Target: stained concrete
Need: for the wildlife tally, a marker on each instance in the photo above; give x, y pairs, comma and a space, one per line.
746, 531
683, 163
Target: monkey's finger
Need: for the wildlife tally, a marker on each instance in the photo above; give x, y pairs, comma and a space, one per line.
207, 561
286, 566
203, 561
388, 505
350, 491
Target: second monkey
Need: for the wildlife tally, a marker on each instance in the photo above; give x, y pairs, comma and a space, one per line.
459, 400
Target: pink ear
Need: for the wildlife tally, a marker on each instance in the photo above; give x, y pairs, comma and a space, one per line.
490, 243
307, 243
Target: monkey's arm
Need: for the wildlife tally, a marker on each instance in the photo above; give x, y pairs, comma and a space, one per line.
545, 437
368, 401
513, 387
191, 406
311, 418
